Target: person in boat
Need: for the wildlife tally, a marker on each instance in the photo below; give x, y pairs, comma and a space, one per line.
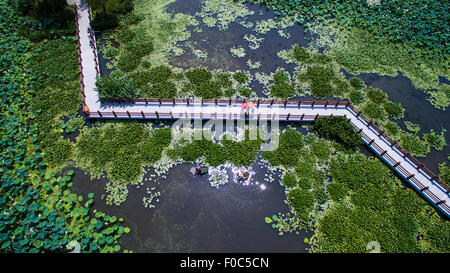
242, 176
200, 170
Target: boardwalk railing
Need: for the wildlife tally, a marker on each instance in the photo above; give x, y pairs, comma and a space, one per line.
412, 170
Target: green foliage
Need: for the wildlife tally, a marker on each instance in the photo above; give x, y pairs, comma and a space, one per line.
414, 144
376, 95
390, 20
374, 111
203, 85
281, 87
120, 149
116, 86
337, 191
391, 128
240, 77
288, 151
39, 214
240, 153
444, 172
357, 83
356, 97
289, 180
434, 140
337, 128
394, 109
302, 202
440, 98
415, 128
320, 80
244, 92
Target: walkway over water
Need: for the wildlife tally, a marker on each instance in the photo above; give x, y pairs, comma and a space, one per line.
413, 171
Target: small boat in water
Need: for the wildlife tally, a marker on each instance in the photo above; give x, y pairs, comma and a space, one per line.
201, 170
242, 176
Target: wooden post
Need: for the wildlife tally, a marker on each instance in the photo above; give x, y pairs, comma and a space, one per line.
288, 115
440, 202
381, 133
157, 115
337, 103
424, 188
271, 102
114, 113
369, 123
371, 141
396, 164
406, 155
171, 114
285, 103
411, 176
229, 102
299, 103
146, 101
257, 102
159, 101
187, 101
312, 104
173, 101
385, 151
326, 103
347, 104
421, 165
99, 113
303, 115
142, 113
215, 101
317, 116
358, 114
128, 113
394, 142
360, 130
202, 101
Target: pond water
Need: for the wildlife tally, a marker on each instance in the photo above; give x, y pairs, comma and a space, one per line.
193, 216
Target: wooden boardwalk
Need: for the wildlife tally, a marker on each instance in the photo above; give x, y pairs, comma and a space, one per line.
413, 171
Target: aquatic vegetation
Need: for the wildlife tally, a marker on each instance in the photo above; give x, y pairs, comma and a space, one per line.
38, 211
357, 83
288, 151
302, 202
436, 141
282, 87
337, 128
391, 128
374, 111
440, 98
115, 86
147, 200
240, 77
356, 97
218, 176
412, 127
289, 180
220, 13
444, 172
337, 191
253, 65
389, 20
254, 42
376, 95
238, 51
394, 109
414, 144
120, 149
